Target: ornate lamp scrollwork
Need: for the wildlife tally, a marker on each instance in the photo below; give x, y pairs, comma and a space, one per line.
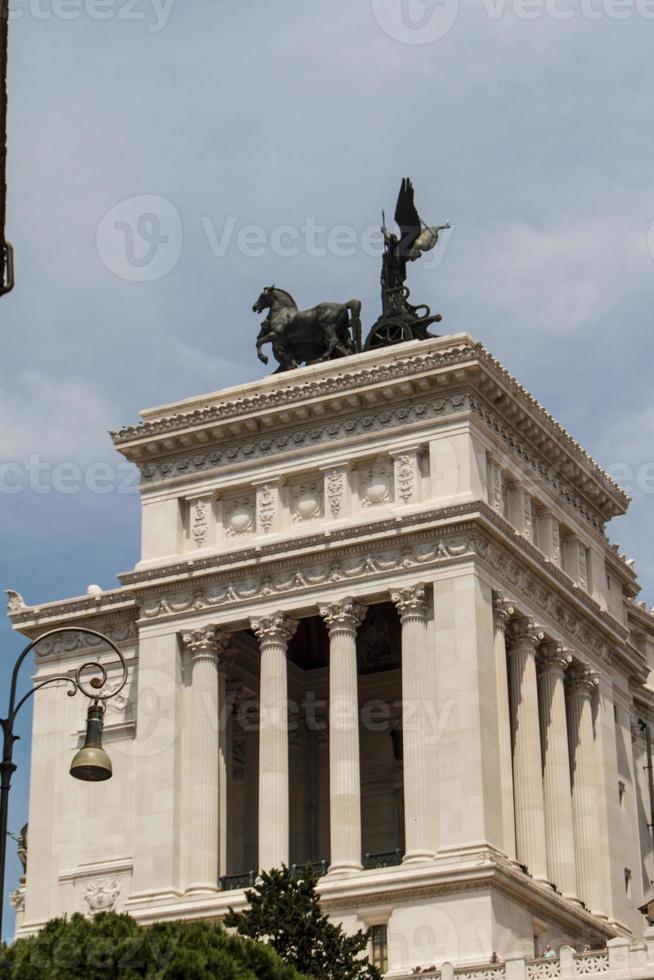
91, 763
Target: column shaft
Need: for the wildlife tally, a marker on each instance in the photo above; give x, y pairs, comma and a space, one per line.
420, 784
343, 620
527, 777
205, 647
584, 791
503, 612
274, 633
559, 828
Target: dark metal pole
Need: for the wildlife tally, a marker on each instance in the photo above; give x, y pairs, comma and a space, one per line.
7, 766
7, 769
6, 251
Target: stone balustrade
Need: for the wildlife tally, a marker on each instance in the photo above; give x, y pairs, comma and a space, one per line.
622, 959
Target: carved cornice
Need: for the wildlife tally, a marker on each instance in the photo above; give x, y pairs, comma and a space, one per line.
169, 468
289, 439
345, 616
422, 363
285, 395
411, 603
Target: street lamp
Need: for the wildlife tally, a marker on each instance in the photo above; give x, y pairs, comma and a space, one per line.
91, 763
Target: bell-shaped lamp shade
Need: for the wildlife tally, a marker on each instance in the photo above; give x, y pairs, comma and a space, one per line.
91, 763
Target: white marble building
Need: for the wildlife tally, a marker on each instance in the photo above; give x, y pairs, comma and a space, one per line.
377, 625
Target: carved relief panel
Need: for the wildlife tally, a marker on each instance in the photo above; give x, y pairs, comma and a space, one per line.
376, 482
305, 500
200, 522
239, 516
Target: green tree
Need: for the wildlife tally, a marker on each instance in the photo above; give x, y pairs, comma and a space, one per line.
115, 947
284, 911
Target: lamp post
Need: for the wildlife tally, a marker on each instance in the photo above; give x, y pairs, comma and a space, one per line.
91, 763
6, 251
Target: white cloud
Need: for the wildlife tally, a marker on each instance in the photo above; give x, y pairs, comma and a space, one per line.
560, 278
63, 418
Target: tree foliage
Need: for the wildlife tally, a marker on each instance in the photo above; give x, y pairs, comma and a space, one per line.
115, 947
284, 911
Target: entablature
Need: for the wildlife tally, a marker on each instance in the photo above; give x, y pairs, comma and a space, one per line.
302, 571
205, 434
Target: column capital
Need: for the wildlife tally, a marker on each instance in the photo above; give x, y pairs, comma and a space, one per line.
553, 658
210, 642
638, 728
524, 634
276, 628
503, 611
411, 602
582, 681
344, 616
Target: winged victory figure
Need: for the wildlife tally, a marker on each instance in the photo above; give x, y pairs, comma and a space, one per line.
400, 320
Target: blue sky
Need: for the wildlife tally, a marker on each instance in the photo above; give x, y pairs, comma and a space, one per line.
167, 127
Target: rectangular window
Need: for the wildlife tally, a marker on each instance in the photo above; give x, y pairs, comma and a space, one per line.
627, 882
379, 937
621, 792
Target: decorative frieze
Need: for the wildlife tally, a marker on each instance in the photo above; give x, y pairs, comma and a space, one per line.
122, 633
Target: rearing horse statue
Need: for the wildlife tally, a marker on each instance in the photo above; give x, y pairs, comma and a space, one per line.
306, 336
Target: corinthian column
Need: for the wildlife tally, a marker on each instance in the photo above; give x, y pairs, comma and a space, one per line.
343, 620
420, 784
581, 687
553, 661
503, 613
274, 633
527, 779
207, 650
